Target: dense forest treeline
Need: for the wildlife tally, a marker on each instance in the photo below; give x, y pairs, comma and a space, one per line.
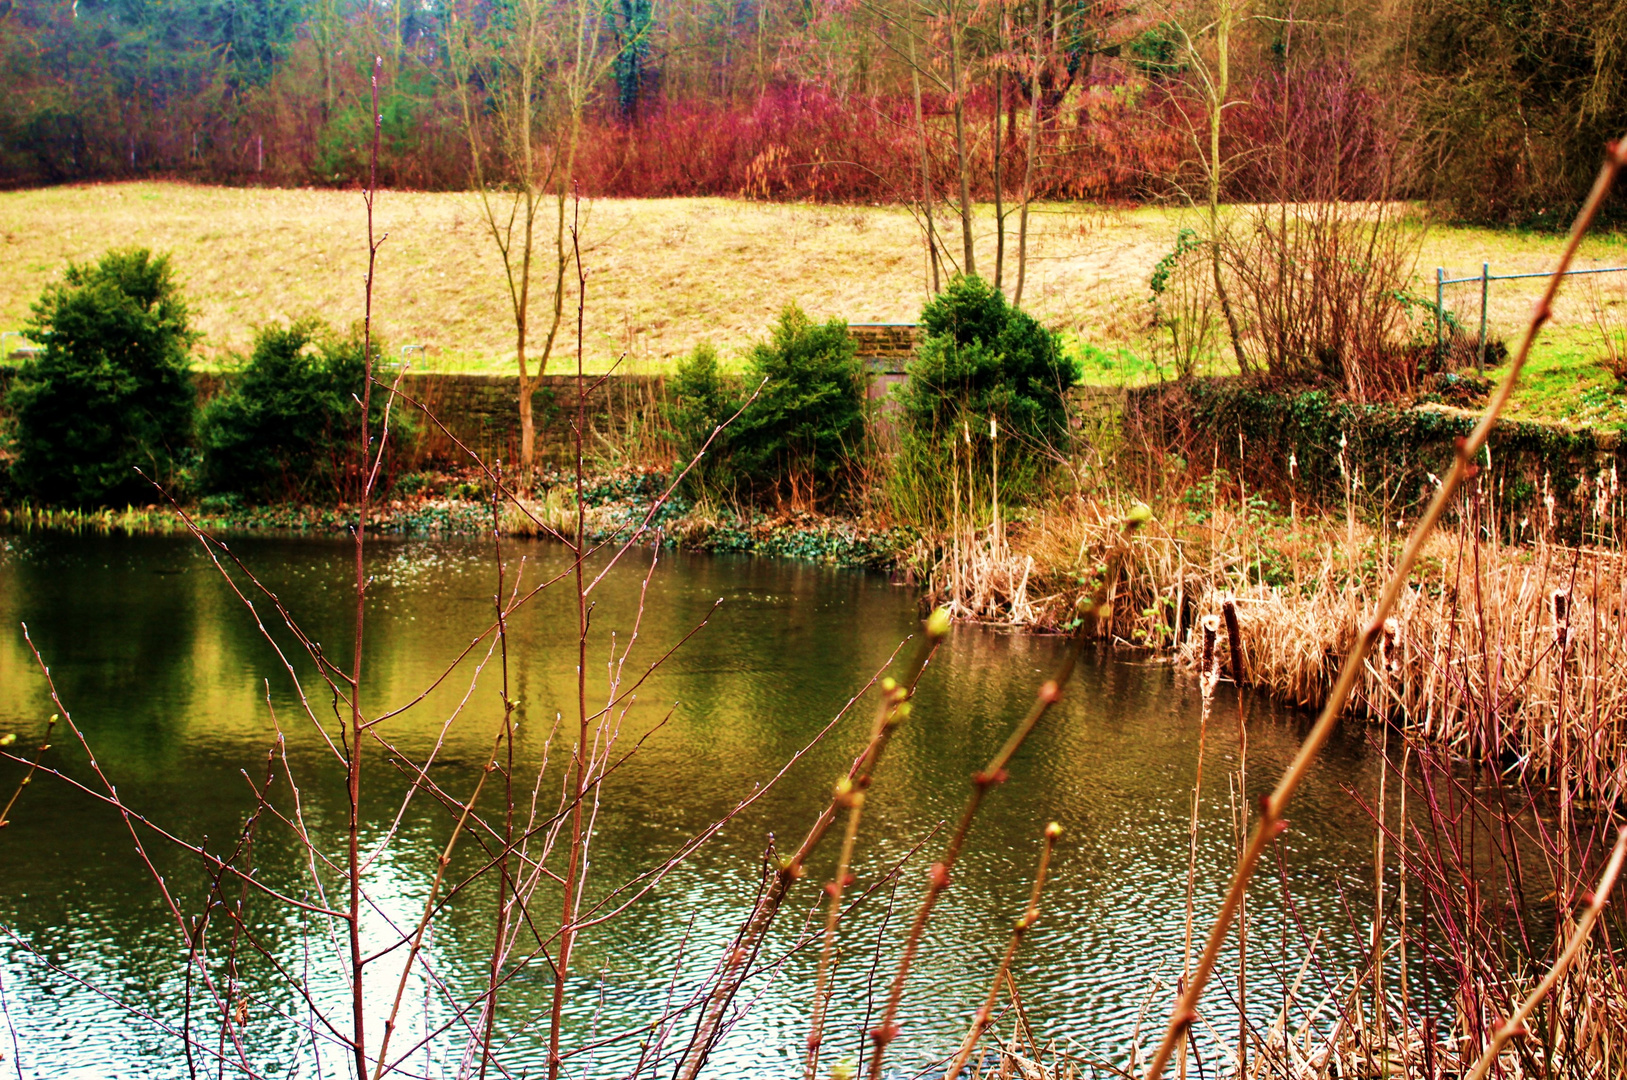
1497, 106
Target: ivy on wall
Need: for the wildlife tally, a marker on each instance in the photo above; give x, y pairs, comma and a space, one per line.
1318, 450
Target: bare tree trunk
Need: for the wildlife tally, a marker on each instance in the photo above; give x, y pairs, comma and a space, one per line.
525, 57
528, 426
927, 197
1028, 184
1217, 104
969, 254
999, 176
395, 37
322, 32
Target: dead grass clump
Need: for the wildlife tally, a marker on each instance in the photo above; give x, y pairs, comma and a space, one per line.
1477, 658
1607, 307
1507, 655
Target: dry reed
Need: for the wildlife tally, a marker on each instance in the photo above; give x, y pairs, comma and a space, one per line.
1470, 658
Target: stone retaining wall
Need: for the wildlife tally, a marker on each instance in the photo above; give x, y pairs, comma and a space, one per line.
1308, 447
482, 411
885, 347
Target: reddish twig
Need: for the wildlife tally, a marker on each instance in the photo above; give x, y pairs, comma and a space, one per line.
574, 857
33, 767
985, 1013
1099, 610
429, 901
1515, 1024
736, 962
353, 764
893, 708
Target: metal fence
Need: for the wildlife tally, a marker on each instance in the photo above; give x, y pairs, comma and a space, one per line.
1485, 278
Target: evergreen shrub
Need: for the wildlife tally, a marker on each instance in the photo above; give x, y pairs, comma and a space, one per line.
287, 424
702, 398
799, 438
796, 441
980, 360
111, 391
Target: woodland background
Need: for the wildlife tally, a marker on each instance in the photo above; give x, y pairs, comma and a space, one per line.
1494, 108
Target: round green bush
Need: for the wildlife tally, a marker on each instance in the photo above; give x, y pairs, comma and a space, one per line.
801, 434
980, 361
798, 437
111, 391
287, 425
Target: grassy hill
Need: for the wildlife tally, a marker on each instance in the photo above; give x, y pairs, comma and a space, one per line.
665, 275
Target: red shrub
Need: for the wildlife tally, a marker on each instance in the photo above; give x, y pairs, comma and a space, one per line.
804, 141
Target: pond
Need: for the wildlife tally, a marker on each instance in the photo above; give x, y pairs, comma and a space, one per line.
175, 689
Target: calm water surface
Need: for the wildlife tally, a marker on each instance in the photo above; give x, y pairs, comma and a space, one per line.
175, 688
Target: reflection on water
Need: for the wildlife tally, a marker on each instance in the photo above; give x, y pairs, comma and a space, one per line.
176, 689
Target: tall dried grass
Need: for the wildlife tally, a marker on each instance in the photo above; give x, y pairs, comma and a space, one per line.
1475, 659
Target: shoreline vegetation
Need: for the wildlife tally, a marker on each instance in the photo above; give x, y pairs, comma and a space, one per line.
1290, 533
1471, 657
617, 500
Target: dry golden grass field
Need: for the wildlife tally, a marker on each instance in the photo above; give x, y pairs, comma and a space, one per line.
665, 275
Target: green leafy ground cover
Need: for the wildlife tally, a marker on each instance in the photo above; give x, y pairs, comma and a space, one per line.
458, 505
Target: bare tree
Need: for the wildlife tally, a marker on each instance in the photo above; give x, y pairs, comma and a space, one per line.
523, 85
913, 38
927, 197
1212, 74
1024, 50
1040, 37
953, 17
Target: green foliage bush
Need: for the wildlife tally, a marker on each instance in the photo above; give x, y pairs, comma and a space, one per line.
796, 441
800, 435
980, 360
287, 425
702, 399
111, 391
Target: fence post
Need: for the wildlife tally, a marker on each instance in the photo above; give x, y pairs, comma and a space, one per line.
1440, 311
1485, 281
